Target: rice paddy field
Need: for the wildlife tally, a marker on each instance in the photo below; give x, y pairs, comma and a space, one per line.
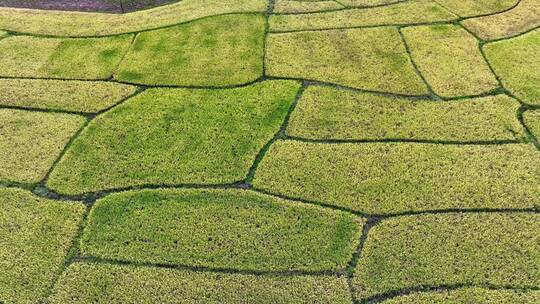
270, 151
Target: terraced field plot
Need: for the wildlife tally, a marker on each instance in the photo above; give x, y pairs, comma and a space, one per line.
270, 151
110, 6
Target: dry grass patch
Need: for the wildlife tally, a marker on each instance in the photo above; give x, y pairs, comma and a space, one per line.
31, 141
517, 62
388, 178
328, 113
469, 8
373, 59
469, 295
409, 12
114, 284
90, 58
450, 60
218, 51
175, 136
295, 6
57, 23
493, 249
35, 236
220, 229
78, 96
524, 17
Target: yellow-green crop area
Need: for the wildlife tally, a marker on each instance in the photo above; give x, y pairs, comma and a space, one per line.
270, 151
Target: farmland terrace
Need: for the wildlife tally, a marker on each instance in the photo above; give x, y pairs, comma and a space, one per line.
252, 151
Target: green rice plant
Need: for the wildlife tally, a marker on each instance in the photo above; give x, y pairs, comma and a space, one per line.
408, 12
517, 62
532, 120
468, 295
30, 142
368, 3
231, 229
326, 113
372, 59
73, 58
217, 51
76, 24
390, 178
469, 8
429, 250
72, 95
175, 136
115, 284
35, 236
524, 17
450, 60
293, 6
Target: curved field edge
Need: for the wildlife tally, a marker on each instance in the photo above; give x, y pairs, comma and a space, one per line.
78, 24
108, 283
35, 237
220, 229
228, 131
522, 18
451, 249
